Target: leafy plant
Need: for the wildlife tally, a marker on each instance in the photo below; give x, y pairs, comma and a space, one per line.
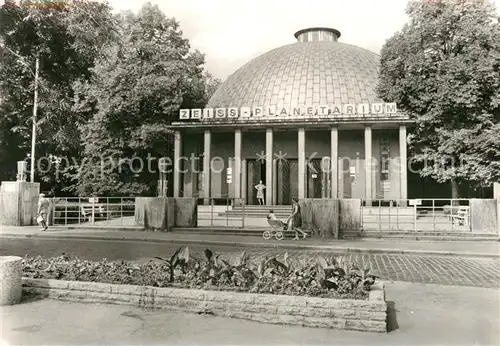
332, 277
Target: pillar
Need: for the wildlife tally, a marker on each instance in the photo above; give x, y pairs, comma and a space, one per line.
269, 167
496, 196
237, 164
275, 181
403, 164
302, 162
207, 143
368, 165
177, 163
334, 161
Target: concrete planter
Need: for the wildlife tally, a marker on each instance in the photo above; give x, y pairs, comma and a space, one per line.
363, 315
11, 268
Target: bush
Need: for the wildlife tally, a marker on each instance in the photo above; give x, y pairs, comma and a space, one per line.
329, 278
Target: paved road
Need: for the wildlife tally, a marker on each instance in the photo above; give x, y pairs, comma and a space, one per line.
419, 269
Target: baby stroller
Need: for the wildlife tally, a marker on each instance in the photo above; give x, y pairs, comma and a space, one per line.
277, 231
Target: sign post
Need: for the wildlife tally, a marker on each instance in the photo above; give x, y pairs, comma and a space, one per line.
415, 203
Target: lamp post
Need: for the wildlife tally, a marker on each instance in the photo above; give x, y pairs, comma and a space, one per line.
35, 107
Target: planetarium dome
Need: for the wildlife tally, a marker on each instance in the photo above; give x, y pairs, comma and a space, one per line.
316, 70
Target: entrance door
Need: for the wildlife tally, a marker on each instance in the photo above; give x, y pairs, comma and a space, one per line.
287, 184
314, 179
255, 172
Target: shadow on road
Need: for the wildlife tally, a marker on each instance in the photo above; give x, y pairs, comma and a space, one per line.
392, 323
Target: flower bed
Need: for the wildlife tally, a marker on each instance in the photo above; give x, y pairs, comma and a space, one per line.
323, 277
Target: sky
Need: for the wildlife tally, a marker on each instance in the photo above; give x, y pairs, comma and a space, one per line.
232, 32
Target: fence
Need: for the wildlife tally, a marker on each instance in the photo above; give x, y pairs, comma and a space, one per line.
93, 211
222, 212
418, 215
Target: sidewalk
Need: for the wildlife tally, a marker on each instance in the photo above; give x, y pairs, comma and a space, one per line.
386, 246
417, 315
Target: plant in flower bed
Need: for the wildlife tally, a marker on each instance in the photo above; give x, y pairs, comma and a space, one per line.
324, 277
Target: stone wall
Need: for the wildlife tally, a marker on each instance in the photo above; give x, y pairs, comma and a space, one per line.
321, 215
349, 216
18, 203
362, 315
154, 213
163, 213
186, 212
484, 216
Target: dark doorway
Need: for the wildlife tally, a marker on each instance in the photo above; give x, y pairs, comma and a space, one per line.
287, 184
256, 171
317, 180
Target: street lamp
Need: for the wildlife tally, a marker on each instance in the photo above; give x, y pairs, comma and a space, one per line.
35, 107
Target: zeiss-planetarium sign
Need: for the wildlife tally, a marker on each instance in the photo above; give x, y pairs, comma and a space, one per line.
255, 113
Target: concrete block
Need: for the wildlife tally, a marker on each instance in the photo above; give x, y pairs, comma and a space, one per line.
483, 216
186, 212
349, 215
10, 280
154, 213
321, 215
18, 203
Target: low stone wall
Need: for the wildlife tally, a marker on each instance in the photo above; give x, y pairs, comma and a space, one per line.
363, 315
321, 215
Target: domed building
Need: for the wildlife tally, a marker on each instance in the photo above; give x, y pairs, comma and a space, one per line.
301, 119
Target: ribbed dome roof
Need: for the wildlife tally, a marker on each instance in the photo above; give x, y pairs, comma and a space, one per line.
304, 73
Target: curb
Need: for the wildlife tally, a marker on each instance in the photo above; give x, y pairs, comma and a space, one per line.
261, 245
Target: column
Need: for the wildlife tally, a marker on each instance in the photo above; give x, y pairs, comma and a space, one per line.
302, 162
368, 165
403, 164
177, 163
269, 167
207, 143
237, 164
334, 161
275, 182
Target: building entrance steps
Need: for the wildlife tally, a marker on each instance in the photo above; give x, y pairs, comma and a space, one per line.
258, 211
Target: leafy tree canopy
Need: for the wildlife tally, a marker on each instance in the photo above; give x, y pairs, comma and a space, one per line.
67, 38
134, 94
443, 69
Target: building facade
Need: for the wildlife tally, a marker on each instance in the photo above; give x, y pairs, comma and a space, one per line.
303, 119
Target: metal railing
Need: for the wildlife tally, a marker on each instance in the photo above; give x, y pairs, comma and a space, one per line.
92, 211
221, 212
416, 215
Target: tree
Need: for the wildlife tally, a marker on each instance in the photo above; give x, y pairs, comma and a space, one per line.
67, 38
134, 95
443, 70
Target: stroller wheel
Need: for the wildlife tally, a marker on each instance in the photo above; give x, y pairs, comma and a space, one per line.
266, 235
279, 235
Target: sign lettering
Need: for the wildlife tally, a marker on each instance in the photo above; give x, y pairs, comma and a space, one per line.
322, 111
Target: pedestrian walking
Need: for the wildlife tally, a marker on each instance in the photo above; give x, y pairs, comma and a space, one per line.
294, 221
43, 211
260, 192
